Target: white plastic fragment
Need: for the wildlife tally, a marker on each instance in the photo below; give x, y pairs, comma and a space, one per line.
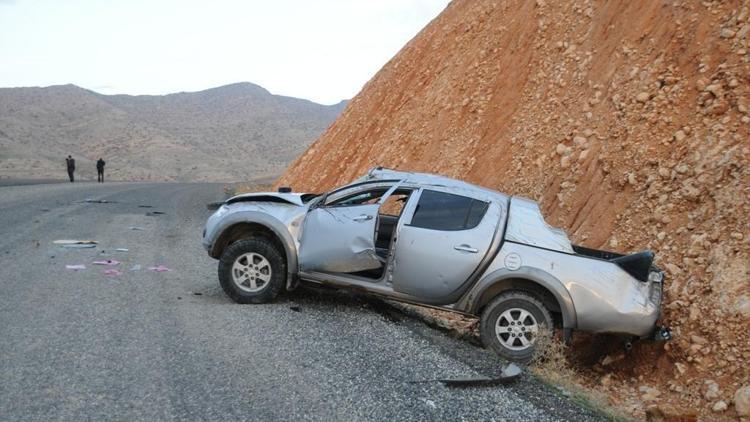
74, 242
79, 246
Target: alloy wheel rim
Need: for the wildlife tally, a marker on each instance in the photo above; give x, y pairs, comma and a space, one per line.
251, 272
516, 329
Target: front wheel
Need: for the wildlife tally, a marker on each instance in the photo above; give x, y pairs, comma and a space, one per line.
512, 323
252, 271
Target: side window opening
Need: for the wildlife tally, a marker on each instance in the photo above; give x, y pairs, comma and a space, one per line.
445, 211
393, 206
388, 216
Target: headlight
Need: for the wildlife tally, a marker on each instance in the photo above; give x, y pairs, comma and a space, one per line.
655, 276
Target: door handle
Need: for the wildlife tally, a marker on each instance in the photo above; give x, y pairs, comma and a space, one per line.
362, 217
465, 248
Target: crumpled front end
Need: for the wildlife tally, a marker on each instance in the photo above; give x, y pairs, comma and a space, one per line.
210, 232
281, 217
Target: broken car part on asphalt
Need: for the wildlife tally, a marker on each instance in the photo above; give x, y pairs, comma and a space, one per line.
75, 242
510, 373
107, 262
440, 242
79, 246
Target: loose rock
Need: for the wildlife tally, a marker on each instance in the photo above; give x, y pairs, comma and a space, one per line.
742, 401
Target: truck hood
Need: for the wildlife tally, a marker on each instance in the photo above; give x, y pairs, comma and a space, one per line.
298, 199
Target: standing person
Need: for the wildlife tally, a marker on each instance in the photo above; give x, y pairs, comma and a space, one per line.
71, 163
100, 170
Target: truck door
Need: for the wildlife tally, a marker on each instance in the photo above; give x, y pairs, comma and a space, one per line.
339, 236
443, 242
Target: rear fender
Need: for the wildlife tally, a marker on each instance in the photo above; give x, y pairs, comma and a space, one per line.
473, 301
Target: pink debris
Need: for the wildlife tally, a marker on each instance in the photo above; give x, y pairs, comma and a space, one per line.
75, 267
159, 269
112, 272
107, 262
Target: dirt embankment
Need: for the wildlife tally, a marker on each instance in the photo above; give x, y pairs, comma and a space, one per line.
628, 121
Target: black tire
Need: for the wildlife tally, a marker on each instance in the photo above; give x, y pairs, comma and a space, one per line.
261, 247
512, 301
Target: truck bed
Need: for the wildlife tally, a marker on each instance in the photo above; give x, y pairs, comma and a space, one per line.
638, 264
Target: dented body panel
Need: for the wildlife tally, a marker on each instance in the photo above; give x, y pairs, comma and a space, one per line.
344, 239
332, 250
416, 271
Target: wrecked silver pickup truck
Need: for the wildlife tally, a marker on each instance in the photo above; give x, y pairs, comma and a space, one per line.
439, 242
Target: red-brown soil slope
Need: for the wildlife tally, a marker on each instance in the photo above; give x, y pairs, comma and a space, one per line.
627, 120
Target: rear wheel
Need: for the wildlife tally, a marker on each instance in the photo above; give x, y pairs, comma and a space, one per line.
512, 323
252, 271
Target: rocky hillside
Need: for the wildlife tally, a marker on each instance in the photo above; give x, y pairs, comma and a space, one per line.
628, 121
234, 132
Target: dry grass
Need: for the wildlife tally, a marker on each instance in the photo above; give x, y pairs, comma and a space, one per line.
551, 365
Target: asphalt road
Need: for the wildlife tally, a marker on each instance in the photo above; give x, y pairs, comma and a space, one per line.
80, 345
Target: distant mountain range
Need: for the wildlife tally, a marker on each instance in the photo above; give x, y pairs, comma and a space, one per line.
230, 133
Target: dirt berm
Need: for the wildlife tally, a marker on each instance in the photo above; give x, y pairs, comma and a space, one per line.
628, 121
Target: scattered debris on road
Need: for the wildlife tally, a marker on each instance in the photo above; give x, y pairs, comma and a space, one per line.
154, 213
122, 250
136, 267
137, 228
79, 246
197, 294
295, 308
145, 206
74, 242
112, 272
159, 269
75, 267
107, 262
97, 201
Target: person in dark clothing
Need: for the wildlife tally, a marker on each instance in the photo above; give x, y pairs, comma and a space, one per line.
100, 170
71, 163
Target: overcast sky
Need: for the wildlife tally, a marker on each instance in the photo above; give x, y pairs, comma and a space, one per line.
322, 50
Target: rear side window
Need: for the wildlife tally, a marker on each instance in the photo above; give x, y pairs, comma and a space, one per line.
445, 211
